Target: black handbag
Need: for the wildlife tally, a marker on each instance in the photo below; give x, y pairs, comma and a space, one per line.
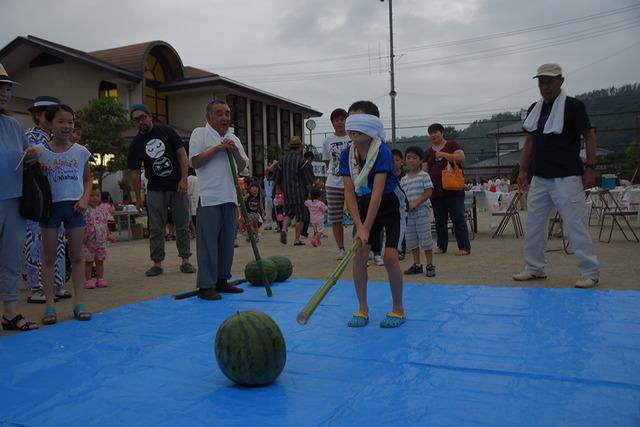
36, 200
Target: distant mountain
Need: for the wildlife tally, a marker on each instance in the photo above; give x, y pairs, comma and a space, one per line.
615, 112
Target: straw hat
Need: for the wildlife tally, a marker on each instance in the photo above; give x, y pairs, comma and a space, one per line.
4, 77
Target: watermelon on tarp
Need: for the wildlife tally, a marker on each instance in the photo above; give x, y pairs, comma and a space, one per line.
250, 348
253, 274
284, 268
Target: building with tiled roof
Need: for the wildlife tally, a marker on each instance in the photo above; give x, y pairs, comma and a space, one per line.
152, 73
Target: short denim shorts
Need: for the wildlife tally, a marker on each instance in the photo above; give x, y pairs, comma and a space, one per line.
65, 213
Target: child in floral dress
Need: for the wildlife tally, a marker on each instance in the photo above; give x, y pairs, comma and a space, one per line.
96, 235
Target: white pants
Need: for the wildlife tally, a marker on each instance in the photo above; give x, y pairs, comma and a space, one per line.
567, 195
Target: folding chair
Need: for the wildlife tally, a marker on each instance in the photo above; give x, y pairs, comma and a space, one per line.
618, 213
556, 221
508, 210
469, 213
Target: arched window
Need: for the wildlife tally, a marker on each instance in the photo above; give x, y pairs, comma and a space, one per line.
157, 103
107, 90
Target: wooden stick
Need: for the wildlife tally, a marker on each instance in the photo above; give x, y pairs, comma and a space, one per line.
245, 218
193, 293
307, 311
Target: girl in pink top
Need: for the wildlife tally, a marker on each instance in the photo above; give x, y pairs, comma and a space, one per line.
316, 211
96, 235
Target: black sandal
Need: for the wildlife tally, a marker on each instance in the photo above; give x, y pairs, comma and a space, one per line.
13, 324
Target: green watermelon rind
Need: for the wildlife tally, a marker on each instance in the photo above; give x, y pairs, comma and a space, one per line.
254, 276
250, 349
284, 267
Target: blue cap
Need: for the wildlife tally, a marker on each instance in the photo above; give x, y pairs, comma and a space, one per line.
139, 107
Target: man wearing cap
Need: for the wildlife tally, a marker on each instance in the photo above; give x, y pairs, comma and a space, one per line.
40, 134
162, 152
295, 181
551, 155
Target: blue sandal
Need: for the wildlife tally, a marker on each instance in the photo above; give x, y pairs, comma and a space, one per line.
393, 320
358, 320
81, 313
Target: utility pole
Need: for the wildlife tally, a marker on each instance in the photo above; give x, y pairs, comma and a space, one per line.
392, 92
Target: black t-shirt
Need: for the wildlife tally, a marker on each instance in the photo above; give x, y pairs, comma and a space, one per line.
558, 155
157, 150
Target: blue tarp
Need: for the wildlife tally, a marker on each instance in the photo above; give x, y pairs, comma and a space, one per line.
468, 355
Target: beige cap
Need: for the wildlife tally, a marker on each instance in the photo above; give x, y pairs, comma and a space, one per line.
549, 70
4, 77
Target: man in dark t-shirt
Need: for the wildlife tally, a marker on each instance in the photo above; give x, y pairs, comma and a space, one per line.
162, 152
551, 155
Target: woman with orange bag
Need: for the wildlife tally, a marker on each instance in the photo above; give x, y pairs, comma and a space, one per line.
446, 203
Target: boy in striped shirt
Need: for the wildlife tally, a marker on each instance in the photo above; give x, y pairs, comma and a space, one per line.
417, 186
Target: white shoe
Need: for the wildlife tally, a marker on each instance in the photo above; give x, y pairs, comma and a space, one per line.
370, 255
524, 276
340, 254
586, 283
377, 260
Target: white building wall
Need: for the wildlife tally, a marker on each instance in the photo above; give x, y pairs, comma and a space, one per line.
73, 82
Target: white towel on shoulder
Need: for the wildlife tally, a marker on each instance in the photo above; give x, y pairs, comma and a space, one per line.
554, 123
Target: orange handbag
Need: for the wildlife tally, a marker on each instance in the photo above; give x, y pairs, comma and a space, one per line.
453, 178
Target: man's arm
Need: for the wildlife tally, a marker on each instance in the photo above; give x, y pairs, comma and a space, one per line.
525, 161
374, 205
589, 176
184, 170
136, 180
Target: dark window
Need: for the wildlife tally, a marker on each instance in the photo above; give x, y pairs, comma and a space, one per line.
285, 128
107, 90
257, 146
297, 125
272, 129
45, 59
509, 146
238, 106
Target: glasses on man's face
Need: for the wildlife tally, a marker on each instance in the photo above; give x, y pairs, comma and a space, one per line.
140, 118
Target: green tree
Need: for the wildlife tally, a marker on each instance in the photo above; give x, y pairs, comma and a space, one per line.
632, 157
103, 121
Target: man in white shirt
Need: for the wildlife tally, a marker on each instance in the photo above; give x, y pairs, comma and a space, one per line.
218, 207
332, 147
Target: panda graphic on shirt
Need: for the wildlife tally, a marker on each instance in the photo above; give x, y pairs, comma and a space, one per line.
162, 165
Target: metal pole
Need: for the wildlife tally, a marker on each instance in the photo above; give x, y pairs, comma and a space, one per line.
392, 92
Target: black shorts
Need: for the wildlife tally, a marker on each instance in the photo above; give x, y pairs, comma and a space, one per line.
296, 210
389, 218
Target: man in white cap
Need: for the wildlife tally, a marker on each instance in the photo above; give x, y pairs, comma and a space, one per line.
551, 155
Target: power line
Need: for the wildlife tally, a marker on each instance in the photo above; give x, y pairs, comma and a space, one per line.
604, 29
536, 28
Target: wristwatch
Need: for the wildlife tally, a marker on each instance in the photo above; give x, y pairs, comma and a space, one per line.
590, 166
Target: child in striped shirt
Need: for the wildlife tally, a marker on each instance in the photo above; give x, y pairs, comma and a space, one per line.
417, 186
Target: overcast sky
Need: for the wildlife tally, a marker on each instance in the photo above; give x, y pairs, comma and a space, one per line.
456, 60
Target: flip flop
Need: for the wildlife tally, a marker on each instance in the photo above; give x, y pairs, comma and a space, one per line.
299, 244
81, 313
393, 320
358, 320
50, 317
